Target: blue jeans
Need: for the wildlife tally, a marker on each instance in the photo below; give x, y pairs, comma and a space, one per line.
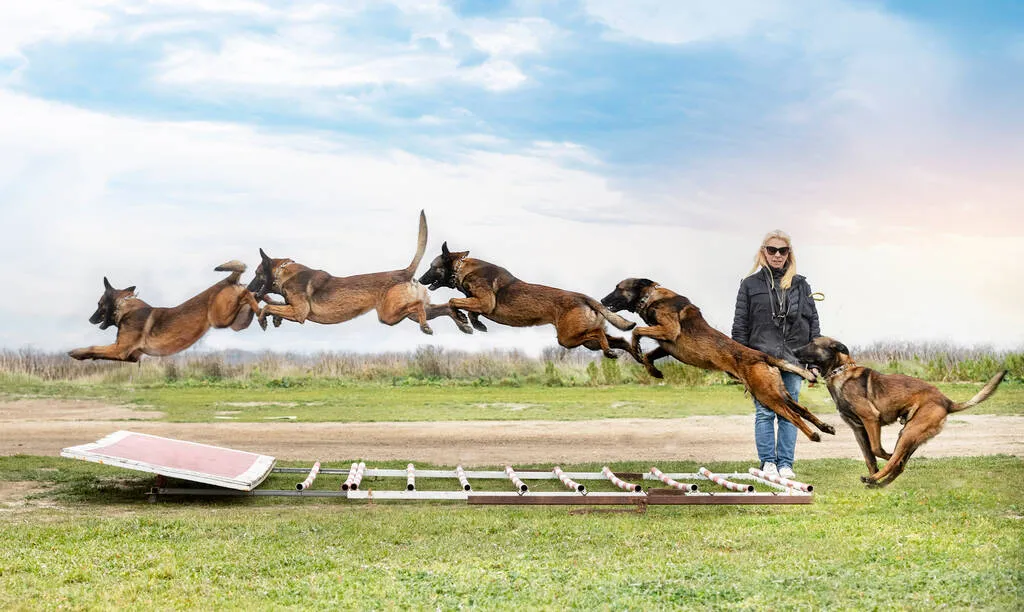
777, 449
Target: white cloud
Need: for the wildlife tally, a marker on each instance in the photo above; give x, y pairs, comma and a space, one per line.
693, 21
25, 23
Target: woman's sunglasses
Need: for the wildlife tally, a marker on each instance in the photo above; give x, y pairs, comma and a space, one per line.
780, 250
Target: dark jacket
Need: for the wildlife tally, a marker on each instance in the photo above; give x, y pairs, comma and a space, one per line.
755, 324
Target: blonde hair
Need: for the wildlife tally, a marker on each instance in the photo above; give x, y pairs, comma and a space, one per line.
760, 261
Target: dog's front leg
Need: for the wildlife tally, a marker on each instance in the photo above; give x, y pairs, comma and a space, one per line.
112, 352
656, 332
292, 312
647, 360
483, 304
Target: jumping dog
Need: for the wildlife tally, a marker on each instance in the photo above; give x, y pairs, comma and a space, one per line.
681, 331
494, 293
144, 329
317, 296
867, 400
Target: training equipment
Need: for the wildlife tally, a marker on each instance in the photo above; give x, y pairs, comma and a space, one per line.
220, 467
214, 465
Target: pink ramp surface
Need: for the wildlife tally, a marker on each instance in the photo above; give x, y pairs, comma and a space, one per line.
225, 467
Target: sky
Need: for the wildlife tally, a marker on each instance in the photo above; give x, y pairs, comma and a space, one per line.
573, 142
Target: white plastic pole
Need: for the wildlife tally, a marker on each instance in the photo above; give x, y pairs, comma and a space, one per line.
622, 484
345, 486
568, 482
410, 477
732, 486
791, 484
462, 478
305, 484
675, 484
520, 485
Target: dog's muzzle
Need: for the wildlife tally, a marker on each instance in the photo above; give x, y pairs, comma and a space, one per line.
613, 302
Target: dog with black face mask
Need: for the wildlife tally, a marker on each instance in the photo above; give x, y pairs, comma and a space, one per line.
495, 294
147, 330
681, 332
867, 400
317, 296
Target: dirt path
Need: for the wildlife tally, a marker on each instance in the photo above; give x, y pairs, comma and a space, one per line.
44, 427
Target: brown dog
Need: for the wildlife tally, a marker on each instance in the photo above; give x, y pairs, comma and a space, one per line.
144, 329
494, 293
317, 296
682, 332
867, 399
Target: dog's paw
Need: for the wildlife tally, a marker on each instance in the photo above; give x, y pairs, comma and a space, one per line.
464, 327
78, 354
426, 329
277, 321
655, 372
610, 354
478, 325
815, 437
263, 322
828, 429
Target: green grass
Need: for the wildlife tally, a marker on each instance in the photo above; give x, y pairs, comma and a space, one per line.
948, 533
327, 400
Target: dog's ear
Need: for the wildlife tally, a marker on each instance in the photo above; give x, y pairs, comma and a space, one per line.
643, 283
839, 346
264, 256
444, 249
107, 285
131, 290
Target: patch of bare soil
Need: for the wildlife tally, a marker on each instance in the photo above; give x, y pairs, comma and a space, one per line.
49, 409
703, 438
14, 497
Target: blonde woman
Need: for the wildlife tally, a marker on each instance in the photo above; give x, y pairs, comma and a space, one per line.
775, 313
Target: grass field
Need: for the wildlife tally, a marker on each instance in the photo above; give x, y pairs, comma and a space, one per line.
326, 400
949, 533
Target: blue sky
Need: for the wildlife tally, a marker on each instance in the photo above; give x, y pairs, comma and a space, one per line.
150, 140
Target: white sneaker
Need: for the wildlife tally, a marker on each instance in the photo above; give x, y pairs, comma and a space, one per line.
787, 472
770, 469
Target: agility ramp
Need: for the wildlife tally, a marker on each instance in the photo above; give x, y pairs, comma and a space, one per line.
232, 476
213, 465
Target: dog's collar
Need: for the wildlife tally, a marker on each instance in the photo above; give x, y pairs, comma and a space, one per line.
457, 267
643, 301
840, 370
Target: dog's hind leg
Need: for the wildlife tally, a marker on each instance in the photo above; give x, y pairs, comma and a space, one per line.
925, 425
594, 339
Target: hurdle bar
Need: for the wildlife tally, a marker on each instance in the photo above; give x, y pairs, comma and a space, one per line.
622, 484
461, 475
569, 482
305, 484
410, 478
675, 484
766, 478
520, 485
732, 486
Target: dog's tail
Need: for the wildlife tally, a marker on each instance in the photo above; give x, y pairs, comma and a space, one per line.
234, 266
617, 320
984, 394
786, 366
421, 247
